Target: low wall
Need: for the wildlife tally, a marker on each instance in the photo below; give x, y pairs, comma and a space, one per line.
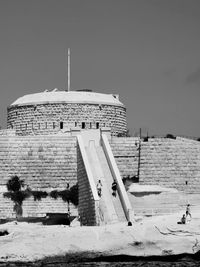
38, 208
163, 203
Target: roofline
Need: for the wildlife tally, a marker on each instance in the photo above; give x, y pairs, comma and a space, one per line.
66, 102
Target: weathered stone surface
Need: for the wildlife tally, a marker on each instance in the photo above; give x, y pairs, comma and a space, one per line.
44, 163
87, 206
167, 162
46, 118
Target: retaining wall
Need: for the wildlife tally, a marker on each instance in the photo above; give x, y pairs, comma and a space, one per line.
167, 162
45, 163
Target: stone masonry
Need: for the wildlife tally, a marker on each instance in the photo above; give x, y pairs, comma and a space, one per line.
88, 207
50, 118
41, 161
165, 162
45, 163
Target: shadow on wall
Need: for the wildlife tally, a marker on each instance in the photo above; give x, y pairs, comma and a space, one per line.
142, 194
129, 180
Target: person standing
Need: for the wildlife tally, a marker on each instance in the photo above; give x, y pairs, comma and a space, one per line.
188, 211
114, 188
99, 188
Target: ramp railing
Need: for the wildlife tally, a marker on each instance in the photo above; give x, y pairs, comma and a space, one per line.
129, 213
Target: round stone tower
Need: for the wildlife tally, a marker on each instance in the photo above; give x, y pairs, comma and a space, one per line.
49, 112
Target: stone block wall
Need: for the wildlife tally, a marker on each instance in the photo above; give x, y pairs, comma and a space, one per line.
45, 163
88, 207
125, 152
41, 161
49, 162
165, 162
171, 163
38, 208
51, 118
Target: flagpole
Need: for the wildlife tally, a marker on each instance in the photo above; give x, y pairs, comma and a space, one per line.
68, 87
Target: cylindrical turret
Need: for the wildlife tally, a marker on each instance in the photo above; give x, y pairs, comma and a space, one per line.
54, 111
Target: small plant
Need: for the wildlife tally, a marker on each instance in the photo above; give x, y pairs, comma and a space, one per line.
38, 195
16, 194
54, 194
170, 136
74, 194
14, 184
67, 195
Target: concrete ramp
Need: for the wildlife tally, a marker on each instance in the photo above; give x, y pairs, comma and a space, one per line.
103, 167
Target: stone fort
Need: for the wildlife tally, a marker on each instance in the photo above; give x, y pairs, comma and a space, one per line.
55, 138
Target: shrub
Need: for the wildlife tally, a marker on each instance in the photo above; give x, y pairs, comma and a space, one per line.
54, 194
67, 195
14, 184
170, 136
74, 194
38, 195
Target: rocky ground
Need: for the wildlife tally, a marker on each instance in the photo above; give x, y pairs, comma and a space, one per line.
158, 235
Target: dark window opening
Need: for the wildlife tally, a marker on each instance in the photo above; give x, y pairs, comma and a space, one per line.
61, 125
83, 125
34, 108
97, 125
75, 124
90, 125
54, 125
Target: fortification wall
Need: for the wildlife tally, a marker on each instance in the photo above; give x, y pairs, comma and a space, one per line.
166, 162
41, 161
125, 152
44, 163
50, 162
51, 118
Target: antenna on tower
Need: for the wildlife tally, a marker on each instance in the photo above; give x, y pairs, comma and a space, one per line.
68, 71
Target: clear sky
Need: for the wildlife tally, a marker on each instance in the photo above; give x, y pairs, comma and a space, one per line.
148, 51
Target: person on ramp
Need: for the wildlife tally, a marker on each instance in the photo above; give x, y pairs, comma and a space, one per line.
99, 188
114, 188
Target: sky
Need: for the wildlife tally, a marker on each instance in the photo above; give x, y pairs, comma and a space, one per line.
147, 51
